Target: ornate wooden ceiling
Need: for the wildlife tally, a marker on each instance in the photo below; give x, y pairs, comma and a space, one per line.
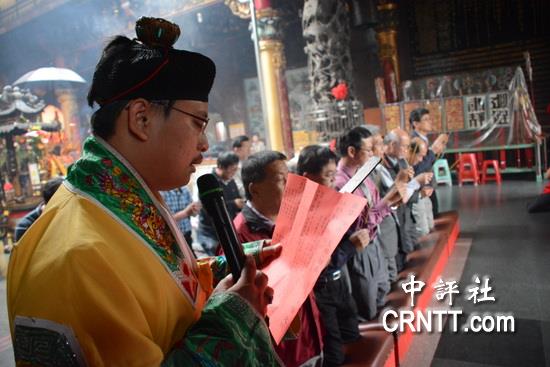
22, 11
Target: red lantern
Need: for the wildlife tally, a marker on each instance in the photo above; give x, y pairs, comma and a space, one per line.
340, 92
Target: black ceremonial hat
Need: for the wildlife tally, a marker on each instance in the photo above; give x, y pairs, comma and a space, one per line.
149, 67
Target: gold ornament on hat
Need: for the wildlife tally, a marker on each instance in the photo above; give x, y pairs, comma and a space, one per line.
157, 32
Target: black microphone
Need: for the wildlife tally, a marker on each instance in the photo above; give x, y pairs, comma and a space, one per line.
211, 195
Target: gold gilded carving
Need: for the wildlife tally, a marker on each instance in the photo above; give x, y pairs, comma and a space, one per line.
242, 10
275, 48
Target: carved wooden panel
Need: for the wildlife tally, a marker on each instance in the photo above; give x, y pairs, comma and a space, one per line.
454, 114
392, 116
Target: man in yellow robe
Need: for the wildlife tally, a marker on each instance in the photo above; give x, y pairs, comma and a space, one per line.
104, 277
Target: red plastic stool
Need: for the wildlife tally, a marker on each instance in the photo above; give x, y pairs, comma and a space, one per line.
485, 172
467, 169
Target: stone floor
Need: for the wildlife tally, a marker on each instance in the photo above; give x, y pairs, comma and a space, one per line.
512, 248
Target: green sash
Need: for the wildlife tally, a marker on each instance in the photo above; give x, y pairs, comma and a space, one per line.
229, 331
105, 177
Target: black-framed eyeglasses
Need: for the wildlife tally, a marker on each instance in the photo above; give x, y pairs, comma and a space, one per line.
203, 120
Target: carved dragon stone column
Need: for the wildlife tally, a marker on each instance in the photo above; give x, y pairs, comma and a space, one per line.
326, 31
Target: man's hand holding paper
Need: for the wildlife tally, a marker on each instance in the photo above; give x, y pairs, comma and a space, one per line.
360, 239
440, 143
312, 220
269, 253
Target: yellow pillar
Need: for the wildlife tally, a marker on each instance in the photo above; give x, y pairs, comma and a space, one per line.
69, 107
273, 65
387, 42
270, 58
387, 39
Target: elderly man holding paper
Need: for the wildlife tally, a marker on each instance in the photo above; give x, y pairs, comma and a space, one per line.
396, 150
368, 270
311, 220
391, 229
264, 177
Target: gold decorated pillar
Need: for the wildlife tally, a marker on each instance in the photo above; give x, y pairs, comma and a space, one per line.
272, 65
387, 42
69, 108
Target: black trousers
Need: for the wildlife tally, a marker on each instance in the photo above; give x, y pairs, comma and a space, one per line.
339, 316
188, 238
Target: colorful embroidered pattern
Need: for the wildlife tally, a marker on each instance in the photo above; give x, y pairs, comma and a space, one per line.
218, 265
100, 174
254, 248
229, 333
35, 346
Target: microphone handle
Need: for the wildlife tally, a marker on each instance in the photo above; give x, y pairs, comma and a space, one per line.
227, 236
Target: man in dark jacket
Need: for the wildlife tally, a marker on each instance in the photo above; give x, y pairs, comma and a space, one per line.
47, 192
207, 239
422, 125
337, 307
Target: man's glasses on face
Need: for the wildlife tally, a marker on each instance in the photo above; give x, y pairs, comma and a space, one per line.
202, 122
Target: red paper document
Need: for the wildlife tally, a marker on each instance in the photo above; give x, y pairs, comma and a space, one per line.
311, 222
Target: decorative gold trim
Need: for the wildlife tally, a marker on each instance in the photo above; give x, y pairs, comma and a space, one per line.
275, 48
267, 13
389, 6
387, 42
242, 10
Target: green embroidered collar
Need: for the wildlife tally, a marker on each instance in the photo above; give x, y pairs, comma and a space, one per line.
107, 178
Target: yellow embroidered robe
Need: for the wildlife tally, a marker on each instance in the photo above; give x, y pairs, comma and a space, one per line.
72, 267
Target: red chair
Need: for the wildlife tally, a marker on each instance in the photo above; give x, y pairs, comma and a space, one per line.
467, 169
485, 176
479, 159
